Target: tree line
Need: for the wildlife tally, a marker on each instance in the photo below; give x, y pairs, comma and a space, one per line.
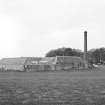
95, 56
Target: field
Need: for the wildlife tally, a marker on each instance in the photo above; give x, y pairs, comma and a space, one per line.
52, 88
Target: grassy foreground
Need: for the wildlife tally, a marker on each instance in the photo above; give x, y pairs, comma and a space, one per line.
52, 88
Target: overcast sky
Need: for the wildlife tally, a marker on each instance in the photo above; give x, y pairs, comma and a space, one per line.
33, 27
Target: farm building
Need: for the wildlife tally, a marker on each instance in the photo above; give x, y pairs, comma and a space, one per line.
69, 62
45, 64
41, 64
17, 63
12, 63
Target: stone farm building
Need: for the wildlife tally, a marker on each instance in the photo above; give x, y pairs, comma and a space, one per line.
41, 63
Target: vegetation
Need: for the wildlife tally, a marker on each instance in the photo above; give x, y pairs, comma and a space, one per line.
64, 52
52, 88
96, 56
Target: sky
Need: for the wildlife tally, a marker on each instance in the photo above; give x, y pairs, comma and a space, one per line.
34, 27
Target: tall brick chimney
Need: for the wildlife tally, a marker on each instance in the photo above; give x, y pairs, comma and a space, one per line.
85, 49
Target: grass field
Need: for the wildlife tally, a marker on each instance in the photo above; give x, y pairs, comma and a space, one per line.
52, 88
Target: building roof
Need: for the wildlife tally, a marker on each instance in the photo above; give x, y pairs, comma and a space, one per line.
68, 59
48, 60
39, 60
15, 61
32, 60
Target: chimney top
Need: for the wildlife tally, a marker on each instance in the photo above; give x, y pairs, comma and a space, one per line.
85, 31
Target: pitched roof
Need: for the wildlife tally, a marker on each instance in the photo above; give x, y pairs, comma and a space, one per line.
68, 59
15, 61
39, 60
32, 60
47, 60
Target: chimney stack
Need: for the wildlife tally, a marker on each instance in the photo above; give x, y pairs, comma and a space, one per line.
85, 49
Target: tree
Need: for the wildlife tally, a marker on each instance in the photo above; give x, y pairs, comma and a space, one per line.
97, 55
64, 52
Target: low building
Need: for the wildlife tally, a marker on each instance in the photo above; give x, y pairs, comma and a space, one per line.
12, 63
69, 62
42, 64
